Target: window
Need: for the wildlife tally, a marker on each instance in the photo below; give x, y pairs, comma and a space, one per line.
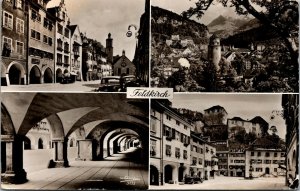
185, 127
177, 152
282, 155
185, 154
59, 58
7, 20
275, 154
153, 125
35, 16
168, 150
258, 154
201, 150
168, 117
60, 29
275, 169
59, 44
252, 154
66, 58
194, 161
66, 47
50, 41
267, 154
200, 161
45, 39
67, 33
36, 35
267, 161
275, 162
20, 25
177, 123
48, 24
20, 4
20, 47
153, 147
168, 132
7, 46
258, 169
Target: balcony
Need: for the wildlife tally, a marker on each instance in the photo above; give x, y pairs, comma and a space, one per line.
66, 65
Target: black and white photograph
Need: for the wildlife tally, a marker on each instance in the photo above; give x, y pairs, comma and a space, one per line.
225, 45
74, 141
82, 45
225, 142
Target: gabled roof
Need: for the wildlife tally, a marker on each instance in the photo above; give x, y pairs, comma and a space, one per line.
72, 28
215, 107
237, 119
259, 120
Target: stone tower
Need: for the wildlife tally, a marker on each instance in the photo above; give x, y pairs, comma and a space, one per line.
109, 49
214, 51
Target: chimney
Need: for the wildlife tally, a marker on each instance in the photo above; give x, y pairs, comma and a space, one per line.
123, 53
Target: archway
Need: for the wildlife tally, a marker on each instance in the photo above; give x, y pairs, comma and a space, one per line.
48, 76
14, 75
59, 75
154, 175
40, 143
35, 75
168, 173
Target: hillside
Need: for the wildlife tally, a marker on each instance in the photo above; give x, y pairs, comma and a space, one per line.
165, 23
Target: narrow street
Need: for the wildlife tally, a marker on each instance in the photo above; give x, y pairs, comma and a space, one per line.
231, 183
118, 171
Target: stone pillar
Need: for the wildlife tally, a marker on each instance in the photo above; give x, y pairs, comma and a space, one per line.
7, 79
84, 150
60, 153
14, 172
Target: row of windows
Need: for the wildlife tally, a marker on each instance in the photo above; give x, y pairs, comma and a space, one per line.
60, 61
19, 3
177, 152
267, 154
40, 53
237, 155
7, 45
194, 161
177, 122
237, 161
37, 36
8, 22
173, 134
197, 149
258, 161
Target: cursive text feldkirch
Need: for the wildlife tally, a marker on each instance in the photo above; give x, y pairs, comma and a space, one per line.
150, 93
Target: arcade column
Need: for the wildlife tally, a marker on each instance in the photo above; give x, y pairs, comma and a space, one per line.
60, 152
12, 160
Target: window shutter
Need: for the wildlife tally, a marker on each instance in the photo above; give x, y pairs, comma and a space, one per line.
173, 133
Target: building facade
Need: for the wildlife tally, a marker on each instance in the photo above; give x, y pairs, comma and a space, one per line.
14, 43
173, 162
63, 40
215, 115
76, 51
250, 126
197, 156
123, 66
41, 43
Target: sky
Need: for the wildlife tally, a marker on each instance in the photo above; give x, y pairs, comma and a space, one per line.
236, 105
178, 6
97, 18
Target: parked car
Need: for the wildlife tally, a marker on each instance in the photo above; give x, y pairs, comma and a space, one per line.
109, 84
129, 81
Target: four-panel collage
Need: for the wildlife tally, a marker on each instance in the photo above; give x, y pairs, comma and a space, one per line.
149, 95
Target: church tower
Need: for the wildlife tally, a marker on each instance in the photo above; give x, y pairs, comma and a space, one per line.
214, 51
109, 50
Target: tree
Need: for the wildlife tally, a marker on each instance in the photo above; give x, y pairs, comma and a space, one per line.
280, 15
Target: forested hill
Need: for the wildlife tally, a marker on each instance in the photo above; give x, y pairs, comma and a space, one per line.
167, 23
